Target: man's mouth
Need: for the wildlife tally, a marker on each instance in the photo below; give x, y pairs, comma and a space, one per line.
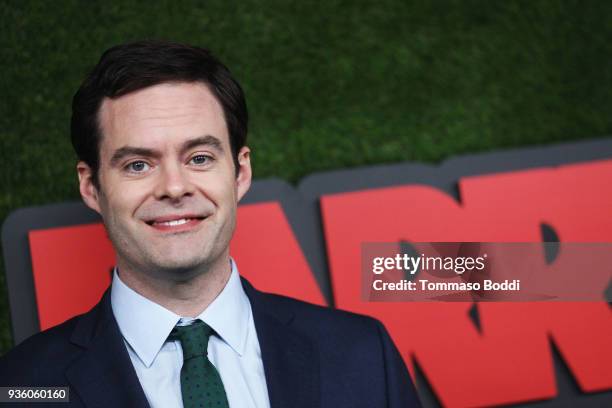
175, 224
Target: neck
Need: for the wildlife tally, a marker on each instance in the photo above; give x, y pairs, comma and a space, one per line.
186, 298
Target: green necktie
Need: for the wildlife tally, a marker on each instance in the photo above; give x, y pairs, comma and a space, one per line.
201, 384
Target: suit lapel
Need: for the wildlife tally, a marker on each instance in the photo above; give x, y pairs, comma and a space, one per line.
103, 376
290, 359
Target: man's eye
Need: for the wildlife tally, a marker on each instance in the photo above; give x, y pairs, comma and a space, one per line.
138, 167
200, 159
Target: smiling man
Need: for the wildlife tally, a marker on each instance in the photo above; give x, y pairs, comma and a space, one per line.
167, 188
160, 132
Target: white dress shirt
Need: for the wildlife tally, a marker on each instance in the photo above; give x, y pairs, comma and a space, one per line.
235, 352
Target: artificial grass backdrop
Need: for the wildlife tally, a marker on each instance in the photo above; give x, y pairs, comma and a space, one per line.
329, 84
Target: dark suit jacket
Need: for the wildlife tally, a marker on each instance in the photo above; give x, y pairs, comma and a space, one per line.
312, 356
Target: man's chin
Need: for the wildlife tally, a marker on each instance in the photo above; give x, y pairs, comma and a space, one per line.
181, 269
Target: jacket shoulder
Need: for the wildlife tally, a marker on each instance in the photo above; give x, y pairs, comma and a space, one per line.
325, 320
355, 353
50, 350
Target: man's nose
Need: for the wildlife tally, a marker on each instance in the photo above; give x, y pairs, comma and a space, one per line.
173, 183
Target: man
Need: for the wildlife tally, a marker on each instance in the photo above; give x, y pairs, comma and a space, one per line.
160, 132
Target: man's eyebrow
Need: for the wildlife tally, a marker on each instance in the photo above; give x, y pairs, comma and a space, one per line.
207, 140
126, 151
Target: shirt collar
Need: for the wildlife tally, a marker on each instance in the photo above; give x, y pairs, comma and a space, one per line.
145, 325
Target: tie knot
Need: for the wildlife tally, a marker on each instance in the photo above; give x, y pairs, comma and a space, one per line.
193, 338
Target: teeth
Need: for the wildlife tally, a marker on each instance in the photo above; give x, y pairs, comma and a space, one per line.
174, 223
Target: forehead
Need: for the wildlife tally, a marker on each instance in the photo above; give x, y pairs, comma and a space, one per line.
164, 114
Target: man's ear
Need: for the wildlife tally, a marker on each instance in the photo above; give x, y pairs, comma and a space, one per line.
89, 192
243, 178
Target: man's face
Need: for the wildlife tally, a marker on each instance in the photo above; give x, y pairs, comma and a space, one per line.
168, 185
